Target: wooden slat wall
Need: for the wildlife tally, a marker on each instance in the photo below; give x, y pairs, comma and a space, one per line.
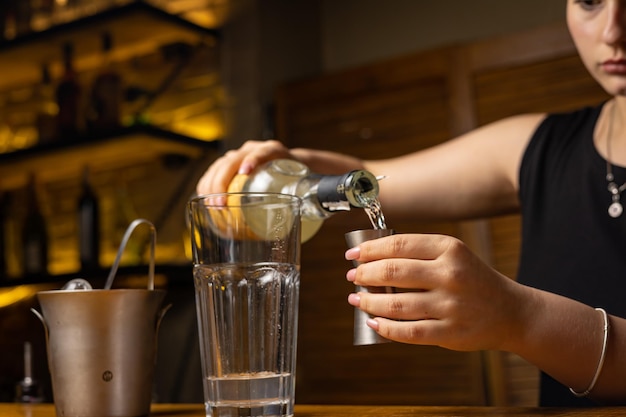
392, 108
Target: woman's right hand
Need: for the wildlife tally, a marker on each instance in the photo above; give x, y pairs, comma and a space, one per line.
240, 161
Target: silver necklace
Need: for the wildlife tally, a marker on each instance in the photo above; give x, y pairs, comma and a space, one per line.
615, 209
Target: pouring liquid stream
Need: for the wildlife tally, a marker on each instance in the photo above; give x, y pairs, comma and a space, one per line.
375, 213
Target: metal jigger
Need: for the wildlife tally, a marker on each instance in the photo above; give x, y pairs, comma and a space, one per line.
364, 335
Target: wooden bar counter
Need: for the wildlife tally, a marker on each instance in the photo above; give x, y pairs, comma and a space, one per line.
197, 410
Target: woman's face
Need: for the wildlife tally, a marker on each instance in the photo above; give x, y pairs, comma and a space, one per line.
598, 28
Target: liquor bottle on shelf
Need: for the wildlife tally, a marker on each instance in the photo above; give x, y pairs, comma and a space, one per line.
12, 236
34, 234
88, 225
28, 389
68, 93
48, 110
23, 16
105, 100
16, 15
6, 133
322, 195
4, 205
5, 10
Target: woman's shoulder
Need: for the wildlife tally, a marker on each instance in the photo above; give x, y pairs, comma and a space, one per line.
561, 133
563, 121
558, 129
573, 120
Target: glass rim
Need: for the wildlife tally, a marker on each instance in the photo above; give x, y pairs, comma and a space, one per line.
220, 199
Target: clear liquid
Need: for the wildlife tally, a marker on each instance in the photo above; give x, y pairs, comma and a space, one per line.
258, 394
375, 213
248, 331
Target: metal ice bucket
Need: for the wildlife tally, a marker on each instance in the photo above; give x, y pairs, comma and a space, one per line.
102, 345
102, 350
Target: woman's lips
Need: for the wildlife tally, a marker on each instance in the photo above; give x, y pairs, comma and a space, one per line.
615, 66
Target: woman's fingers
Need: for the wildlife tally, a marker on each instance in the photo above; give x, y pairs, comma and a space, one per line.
405, 317
399, 273
399, 306
429, 318
244, 160
219, 174
256, 153
422, 332
417, 246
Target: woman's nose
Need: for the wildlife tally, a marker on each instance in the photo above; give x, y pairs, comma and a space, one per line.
615, 27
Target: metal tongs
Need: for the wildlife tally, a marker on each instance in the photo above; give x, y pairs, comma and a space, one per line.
84, 285
120, 252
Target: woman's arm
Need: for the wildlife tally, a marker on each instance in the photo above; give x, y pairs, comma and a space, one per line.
474, 175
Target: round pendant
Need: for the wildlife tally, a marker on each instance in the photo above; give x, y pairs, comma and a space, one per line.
615, 210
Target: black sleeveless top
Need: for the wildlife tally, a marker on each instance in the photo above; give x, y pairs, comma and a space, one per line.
570, 244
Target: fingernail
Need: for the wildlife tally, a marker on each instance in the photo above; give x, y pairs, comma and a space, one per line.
353, 253
351, 275
371, 323
245, 168
354, 300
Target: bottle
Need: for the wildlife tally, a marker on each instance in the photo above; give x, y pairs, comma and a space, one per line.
105, 100
88, 225
322, 195
6, 131
68, 97
48, 110
5, 13
28, 389
34, 235
16, 16
4, 209
12, 236
23, 15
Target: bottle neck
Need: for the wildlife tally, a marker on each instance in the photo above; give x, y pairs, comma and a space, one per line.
31, 195
86, 183
68, 59
357, 188
107, 64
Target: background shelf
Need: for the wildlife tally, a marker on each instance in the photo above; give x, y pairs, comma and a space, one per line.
137, 28
117, 149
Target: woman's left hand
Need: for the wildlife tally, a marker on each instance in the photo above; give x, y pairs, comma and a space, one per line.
446, 295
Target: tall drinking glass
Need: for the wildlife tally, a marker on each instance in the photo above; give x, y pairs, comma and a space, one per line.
246, 254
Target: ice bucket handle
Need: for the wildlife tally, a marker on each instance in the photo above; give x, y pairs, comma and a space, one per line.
43, 321
120, 252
